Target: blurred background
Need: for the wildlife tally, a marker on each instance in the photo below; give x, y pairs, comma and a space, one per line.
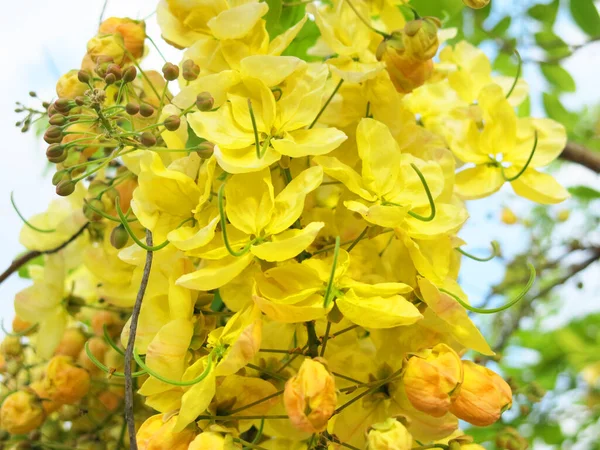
549, 343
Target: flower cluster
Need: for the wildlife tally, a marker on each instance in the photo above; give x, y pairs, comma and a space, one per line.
264, 248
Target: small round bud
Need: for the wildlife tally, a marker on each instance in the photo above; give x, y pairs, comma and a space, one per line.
147, 139
89, 208
59, 176
119, 237
62, 105
110, 79
53, 135
129, 74
58, 120
32, 94
476, 4
170, 71
80, 100
84, 76
59, 158
115, 69
132, 108
172, 123
146, 110
190, 70
65, 188
204, 101
54, 150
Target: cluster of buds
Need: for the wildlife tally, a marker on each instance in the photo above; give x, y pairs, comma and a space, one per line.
408, 53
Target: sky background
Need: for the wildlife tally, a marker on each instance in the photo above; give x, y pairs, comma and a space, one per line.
42, 40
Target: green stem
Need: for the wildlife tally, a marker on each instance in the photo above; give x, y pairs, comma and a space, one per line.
105, 369
336, 252
254, 128
110, 342
326, 103
358, 239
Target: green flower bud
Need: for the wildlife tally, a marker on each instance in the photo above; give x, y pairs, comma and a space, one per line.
148, 139
89, 212
54, 150
132, 108
84, 76
62, 105
129, 74
146, 110
204, 101
65, 188
119, 237
110, 79
53, 135
59, 176
58, 120
170, 71
172, 123
115, 70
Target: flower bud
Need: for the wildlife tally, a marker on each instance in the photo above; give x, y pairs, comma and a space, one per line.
65, 382
148, 139
389, 435
483, 397
209, 440
69, 86
129, 74
170, 71
58, 120
19, 325
190, 70
310, 397
22, 412
56, 153
62, 105
65, 188
204, 101
132, 108
88, 211
59, 176
157, 434
11, 346
119, 237
133, 33
109, 79
420, 38
110, 319
84, 76
115, 70
432, 379
146, 110
53, 135
71, 343
106, 45
172, 123
476, 4
510, 439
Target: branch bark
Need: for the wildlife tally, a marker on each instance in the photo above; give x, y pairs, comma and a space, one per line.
135, 315
579, 154
24, 259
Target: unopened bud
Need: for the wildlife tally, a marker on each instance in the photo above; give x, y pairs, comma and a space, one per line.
65, 382
119, 237
58, 120
62, 105
476, 4
80, 100
89, 211
191, 70
205, 150
54, 150
132, 108
53, 135
84, 76
110, 79
204, 101
22, 412
148, 139
59, 158
59, 176
170, 71
146, 110
65, 188
129, 74
115, 69
389, 435
172, 123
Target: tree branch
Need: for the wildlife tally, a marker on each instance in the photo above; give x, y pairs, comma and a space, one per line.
579, 154
135, 315
24, 259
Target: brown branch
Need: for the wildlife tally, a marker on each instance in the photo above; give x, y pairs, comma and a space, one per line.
135, 315
579, 154
24, 259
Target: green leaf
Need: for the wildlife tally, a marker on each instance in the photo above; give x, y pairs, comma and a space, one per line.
442, 9
306, 39
502, 26
273, 17
282, 18
545, 13
193, 140
524, 109
24, 269
586, 15
506, 64
584, 192
558, 77
558, 112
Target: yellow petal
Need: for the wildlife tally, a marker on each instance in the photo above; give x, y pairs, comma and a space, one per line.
316, 141
188, 238
385, 216
214, 274
195, 401
455, 316
378, 312
289, 283
281, 42
378, 289
237, 22
448, 219
244, 160
500, 130
287, 244
221, 128
310, 308
166, 353
153, 316
552, 139
262, 102
344, 173
478, 182
539, 187
289, 203
271, 70
217, 84
250, 201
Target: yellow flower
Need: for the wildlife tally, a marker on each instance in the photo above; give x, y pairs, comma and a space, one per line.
107, 45
21, 412
432, 378
64, 382
483, 397
158, 434
132, 31
280, 125
210, 440
69, 86
310, 397
389, 435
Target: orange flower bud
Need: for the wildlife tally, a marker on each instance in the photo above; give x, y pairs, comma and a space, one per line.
106, 46
69, 86
111, 400
420, 38
155, 434
22, 412
11, 346
49, 405
483, 397
65, 382
114, 324
133, 33
389, 435
310, 397
98, 348
19, 325
432, 379
71, 343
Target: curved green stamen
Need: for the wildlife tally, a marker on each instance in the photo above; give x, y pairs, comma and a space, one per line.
105, 369
336, 251
197, 380
231, 251
524, 168
518, 75
25, 221
255, 128
495, 252
132, 234
110, 342
18, 333
431, 216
